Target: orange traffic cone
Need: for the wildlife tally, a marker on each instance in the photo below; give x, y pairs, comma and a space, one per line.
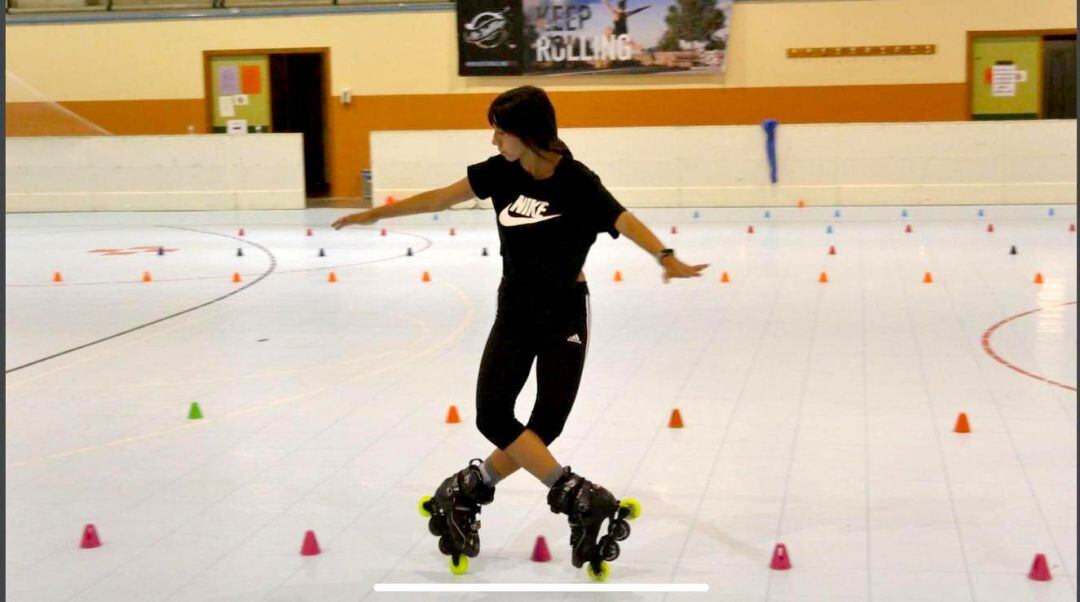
823, 278
802, 204
146, 277
675, 422
56, 277
452, 416
236, 277
928, 279
618, 276
332, 277
426, 277
390, 200
962, 425
1038, 278
724, 277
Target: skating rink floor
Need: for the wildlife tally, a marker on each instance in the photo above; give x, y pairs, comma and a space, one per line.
816, 415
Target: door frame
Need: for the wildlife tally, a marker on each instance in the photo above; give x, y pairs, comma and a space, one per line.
1007, 33
324, 51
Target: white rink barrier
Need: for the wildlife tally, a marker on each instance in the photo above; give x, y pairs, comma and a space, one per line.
927, 163
155, 173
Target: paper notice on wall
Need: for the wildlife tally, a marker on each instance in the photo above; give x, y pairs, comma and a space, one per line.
228, 80
240, 100
236, 126
225, 106
1003, 80
250, 79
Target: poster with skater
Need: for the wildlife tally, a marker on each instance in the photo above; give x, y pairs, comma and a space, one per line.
559, 37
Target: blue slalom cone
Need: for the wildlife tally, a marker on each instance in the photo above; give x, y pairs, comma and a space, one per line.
836, 213
903, 213
828, 230
435, 217
982, 213
696, 215
1051, 212
767, 214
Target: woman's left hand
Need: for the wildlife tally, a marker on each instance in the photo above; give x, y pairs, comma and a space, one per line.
673, 268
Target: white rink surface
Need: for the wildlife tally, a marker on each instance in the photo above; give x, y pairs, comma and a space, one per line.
817, 415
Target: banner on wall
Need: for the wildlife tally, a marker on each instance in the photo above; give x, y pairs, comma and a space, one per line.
546, 37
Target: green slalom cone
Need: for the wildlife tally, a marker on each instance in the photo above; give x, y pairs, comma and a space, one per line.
194, 413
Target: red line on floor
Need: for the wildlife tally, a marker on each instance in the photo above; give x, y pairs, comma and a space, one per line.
989, 349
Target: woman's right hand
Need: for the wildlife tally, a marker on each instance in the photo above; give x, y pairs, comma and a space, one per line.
362, 219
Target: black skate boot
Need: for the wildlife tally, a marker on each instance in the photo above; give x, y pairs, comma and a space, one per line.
453, 514
588, 505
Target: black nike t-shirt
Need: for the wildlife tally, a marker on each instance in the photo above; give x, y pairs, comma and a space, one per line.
547, 226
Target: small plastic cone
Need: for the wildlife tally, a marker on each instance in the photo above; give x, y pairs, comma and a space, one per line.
989, 227
832, 250
540, 550
56, 277
452, 232
1040, 571
309, 232
483, 252
426, 277
962, 425
1012, 251
927, 278
146, 277
236, 277
1072, 227
408, 252
674, 230
382, 232
239, 252
322, 252
332, 277
311, 545
1038, 278
452, 416
823, 278
724, 277
161, 250
802, 204
750, 229
618, 276
194, 413
907, 229
90, 538
780, 559
390, 200
675, 422
241, 232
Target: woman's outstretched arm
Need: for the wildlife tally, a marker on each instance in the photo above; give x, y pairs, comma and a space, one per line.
426, 202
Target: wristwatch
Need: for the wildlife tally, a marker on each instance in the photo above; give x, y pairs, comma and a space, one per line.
664, 253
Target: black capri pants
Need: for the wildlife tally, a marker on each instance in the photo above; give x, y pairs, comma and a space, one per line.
554, 332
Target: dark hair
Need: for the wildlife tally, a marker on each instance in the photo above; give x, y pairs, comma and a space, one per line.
527, 113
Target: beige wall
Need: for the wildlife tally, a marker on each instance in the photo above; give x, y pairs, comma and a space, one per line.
415, 52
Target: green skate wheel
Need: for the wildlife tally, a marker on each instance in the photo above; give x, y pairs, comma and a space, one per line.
604, 573
422, 506
461, 566
633, 505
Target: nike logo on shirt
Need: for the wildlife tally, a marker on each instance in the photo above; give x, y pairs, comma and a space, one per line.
529, 211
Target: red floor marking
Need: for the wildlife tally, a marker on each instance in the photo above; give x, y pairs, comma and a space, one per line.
989, 349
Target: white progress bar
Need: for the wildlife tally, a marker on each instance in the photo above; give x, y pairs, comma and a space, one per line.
541, 587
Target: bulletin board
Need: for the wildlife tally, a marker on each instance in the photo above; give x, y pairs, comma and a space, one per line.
240, 93
1006, 77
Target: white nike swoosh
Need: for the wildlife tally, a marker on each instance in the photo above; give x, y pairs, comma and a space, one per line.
512, 220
